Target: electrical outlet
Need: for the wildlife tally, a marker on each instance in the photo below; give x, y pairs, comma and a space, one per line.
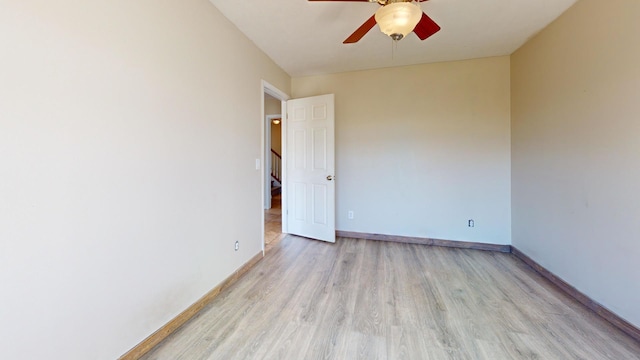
471, 223
350, 214
237, 245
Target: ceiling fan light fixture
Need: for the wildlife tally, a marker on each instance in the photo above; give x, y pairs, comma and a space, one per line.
398, 19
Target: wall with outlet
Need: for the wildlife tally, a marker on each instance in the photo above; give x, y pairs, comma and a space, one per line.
576, 149
422, 149
128, 137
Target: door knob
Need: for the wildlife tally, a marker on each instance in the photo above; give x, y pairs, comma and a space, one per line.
329, 177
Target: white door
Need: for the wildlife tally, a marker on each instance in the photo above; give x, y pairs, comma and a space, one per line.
310, 167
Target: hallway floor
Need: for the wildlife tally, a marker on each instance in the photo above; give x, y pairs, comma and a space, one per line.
273, 223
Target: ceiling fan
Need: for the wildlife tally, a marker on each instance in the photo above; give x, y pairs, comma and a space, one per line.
396, 18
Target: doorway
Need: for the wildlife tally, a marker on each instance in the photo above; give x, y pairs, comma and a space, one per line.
307, 197
272, 125
273, 150
273, 165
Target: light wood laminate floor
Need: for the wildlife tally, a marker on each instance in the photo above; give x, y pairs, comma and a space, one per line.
361, 299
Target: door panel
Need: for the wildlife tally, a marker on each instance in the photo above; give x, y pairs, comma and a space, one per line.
311, 167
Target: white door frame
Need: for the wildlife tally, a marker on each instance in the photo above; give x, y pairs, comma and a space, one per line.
267, 88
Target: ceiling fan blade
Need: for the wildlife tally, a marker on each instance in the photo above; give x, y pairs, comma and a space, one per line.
426, 27
361, 31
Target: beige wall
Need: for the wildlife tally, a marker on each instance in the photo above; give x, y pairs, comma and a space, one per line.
276, 138
576, 151
273, 106
422, 149
128, 137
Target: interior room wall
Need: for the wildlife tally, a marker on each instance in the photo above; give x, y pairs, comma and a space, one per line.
575, 134
422, 149
128, 137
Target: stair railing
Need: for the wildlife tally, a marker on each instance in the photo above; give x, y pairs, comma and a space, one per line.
276, 171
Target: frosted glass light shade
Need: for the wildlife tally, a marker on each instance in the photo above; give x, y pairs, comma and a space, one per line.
398, 18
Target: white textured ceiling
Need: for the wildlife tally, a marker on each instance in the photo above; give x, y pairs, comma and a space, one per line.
305, 38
